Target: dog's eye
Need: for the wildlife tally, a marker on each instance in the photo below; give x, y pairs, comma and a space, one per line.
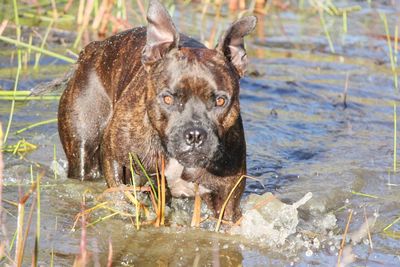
220, 101
168, 99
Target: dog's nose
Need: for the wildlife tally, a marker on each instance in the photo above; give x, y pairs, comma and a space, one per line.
195, 136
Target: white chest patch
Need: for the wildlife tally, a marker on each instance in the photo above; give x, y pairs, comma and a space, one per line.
178, 186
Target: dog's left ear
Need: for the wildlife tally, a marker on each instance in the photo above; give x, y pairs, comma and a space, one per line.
231, 43
162, 35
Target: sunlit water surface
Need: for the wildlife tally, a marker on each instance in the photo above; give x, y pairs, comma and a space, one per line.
300, 138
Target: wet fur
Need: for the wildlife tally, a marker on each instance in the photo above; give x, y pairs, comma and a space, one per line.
111, 107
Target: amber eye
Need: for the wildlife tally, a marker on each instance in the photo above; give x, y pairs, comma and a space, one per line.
220, 101
168, 99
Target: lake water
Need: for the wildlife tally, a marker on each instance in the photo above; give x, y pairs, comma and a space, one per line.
301, 138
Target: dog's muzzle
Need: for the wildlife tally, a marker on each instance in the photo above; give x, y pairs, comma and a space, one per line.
193, 145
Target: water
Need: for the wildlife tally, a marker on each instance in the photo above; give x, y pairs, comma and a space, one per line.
300, 138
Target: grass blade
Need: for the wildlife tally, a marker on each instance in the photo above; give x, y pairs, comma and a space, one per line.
137, 206
37, 49
36, 125
13, 101
221, 213
145, 174
344, 237
163, 187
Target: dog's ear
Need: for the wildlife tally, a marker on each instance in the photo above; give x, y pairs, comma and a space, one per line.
162, 35
231, 43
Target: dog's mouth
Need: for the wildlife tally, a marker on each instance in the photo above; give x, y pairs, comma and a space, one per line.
192, 146
193, 159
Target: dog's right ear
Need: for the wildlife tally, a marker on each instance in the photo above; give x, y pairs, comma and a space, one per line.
162, 35
231, 43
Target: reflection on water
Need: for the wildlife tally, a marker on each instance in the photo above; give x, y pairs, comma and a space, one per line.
300, 138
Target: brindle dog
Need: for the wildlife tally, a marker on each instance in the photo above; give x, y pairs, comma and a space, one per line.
154, 92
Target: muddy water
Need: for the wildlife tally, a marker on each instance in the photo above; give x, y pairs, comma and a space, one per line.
301, 138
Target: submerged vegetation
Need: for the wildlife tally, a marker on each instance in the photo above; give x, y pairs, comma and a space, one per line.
30, 50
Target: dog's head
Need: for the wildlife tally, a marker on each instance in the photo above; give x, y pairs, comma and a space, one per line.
193, 96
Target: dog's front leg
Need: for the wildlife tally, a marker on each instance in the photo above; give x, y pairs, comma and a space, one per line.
112, 168
216, 199
113, 172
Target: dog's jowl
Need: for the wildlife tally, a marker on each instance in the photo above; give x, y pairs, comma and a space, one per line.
156, 93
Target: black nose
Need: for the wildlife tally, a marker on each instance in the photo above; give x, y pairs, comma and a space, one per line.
195, 136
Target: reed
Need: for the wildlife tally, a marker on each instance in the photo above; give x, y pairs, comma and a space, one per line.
55, 164
392, 55
222, 211
28, 225
163, 190
37, 49
43, 18
197, 208
21, 235
137, 206
37, 124
29, 98
38, 222
3, 26
135, 157
101, 219
390, 225
13, 101
394, 137
368, 230
83, 21
82, 259
364, 194
1, 183
86, 212
110, 253
20, 148
344, 237
46, 35
17, 93
159, 207
16, 20
327, 34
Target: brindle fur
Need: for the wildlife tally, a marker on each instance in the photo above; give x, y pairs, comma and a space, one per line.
111, 107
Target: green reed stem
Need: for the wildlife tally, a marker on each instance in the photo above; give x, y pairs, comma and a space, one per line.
328, 36
16, 19
363, 194
31, 172
55, 162
145, 174
389, 44
46, 35
222, 211
17, 93
103, 219
52, 256
345, 21
36, 125
13, 240
391, 224
13, 101
394, 137
37, 49
29, 98
38, 179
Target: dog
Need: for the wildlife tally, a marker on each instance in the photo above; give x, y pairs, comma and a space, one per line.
154, 92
